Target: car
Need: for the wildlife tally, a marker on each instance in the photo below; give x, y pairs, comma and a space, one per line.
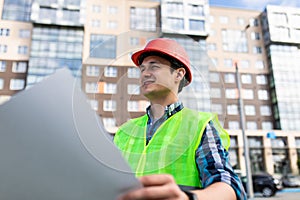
264, 183
291, 180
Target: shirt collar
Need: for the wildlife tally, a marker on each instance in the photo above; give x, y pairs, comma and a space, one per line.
169, 109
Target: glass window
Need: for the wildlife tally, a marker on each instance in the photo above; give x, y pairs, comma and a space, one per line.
109, 105
91, 87
254, 22
109, 123
24, 33
2, 66
112, 10
259, 64
265, 110
217, 108
234, 41
197, 25
133, 89
4, 31
214, 77
93, 71
256, 153
233, 152
137, 106
228, 63
96, 8
261, 79
196, 10
280, 155
175, 23
257, 50
16, 84
224, 19
246, 78
263, 95
133, 72
267, 125
110, 88
1, 83
250, 110
19, 67
94, 104
3, 48
215, 93
110, 71
4, 98
102, 46
247, 94
231, 93
22, 49
232, 109
146, 23
240, 21
255, 36
229, 78
234, 125
251, 125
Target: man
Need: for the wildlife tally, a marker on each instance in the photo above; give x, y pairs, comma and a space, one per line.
178, 153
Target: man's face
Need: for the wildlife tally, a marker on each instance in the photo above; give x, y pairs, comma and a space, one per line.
157, 78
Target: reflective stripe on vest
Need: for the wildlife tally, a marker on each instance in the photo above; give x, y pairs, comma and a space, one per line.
171, 149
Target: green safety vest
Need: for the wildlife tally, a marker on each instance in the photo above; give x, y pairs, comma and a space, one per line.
172, 148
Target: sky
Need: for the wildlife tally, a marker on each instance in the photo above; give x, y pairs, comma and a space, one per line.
254, 4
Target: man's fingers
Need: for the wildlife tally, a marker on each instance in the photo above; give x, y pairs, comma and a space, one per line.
157, 179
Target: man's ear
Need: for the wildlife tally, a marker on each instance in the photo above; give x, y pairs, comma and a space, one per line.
180, 72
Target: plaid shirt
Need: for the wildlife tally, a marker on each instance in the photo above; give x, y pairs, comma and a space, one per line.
211, 157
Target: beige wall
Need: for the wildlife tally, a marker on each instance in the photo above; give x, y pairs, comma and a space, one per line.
13, 40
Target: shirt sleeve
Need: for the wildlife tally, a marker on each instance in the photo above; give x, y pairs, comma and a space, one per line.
213, 162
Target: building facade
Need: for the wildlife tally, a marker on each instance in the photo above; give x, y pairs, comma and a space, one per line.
95, 40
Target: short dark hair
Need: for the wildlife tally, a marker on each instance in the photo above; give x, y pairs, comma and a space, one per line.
175, 64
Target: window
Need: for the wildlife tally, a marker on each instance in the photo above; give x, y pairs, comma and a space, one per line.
96, 8
255, 36
145, 23
109, 123
234, 41
93, 71
95, 23
224, 20
254, 22
3, 98
215, 93
259, 64
133, 72
246, 78
133, 89
233, 152
265, 110
19, 67
175, 23
261, 79
196, 10
229, 78
137, 106
16, 84
263, 94
251, 125
217, 108
112, 10
233, 125
240, 21
247, 94
231, 93
112, 24
250, 110
110, 88
102, 46
257, 50
24, 33
2, 66
94, 104
243, 64
228, 63
3, 48
109, 105
1, 83
197, 25
232, 109
214, 77
91, 87
4, 32
256, 153
267, 125
22, 50
110, 71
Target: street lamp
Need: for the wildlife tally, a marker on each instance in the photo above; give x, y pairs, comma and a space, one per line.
242, 122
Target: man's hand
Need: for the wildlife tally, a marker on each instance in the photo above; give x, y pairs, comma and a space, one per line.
160, 186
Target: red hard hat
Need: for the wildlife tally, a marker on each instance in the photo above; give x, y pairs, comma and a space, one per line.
167, 47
